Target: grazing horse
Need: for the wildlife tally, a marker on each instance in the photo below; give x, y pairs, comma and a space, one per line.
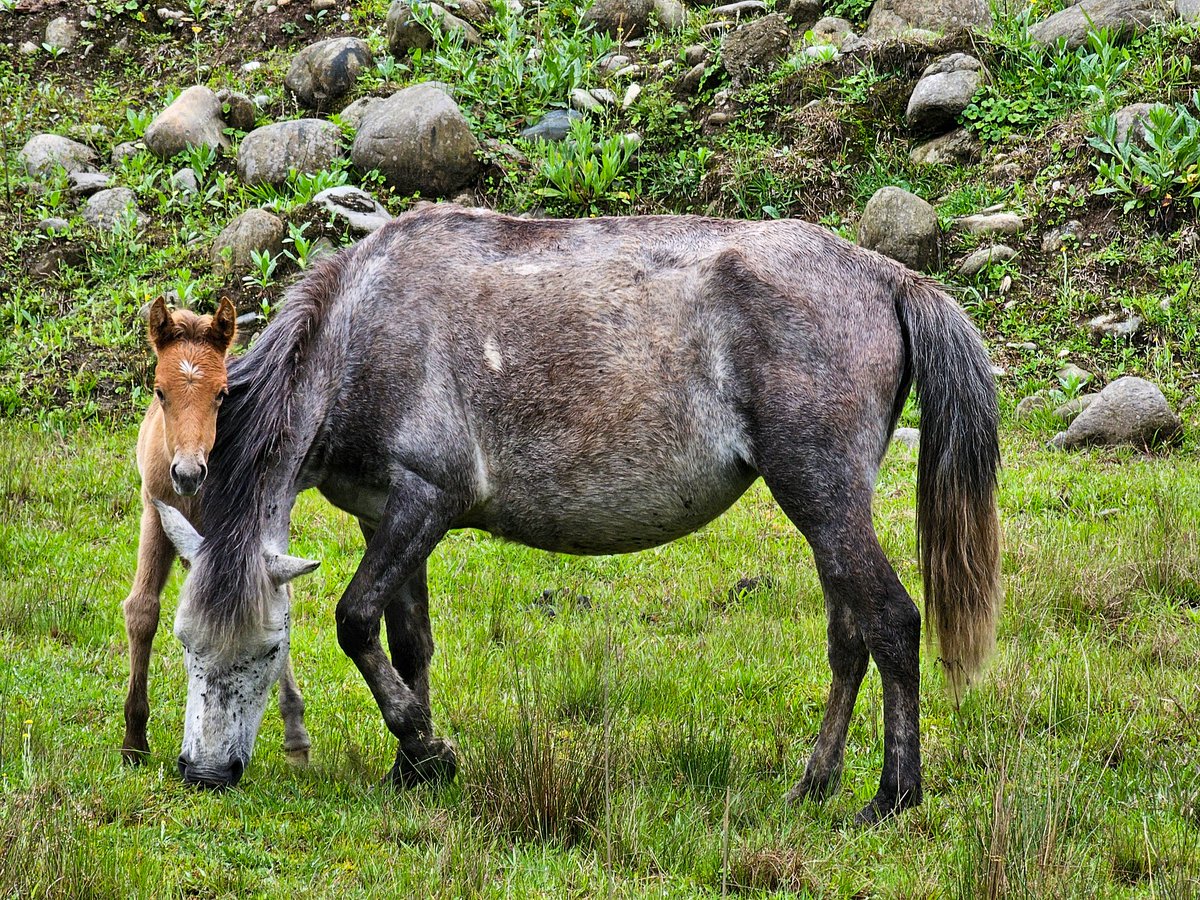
592, 386
174, 442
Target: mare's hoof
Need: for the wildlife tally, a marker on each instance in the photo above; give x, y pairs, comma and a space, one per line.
297, 756
134, 755
424, 761
813, 788
880, 809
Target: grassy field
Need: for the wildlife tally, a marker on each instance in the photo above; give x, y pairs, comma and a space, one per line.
627, 725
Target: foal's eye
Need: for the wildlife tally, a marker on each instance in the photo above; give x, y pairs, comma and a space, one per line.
162, 398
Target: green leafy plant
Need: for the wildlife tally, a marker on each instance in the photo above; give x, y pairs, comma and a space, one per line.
302, 247
1159, 175
263, 274
586, 171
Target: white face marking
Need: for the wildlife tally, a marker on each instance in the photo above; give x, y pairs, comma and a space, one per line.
495, 358
190, 370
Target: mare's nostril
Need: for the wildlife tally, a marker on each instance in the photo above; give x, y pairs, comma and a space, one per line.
182, 764
236, 768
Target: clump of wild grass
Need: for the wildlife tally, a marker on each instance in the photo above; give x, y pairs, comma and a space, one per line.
771, 871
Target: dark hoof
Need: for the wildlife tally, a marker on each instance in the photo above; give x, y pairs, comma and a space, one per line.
422, 762
881, 809
811, 787
135, 755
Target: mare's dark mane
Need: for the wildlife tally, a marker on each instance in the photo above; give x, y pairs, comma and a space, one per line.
252, 427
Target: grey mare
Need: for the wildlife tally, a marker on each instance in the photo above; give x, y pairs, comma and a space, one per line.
594, 386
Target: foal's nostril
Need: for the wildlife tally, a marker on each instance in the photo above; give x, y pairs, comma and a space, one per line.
203, 472
174, 471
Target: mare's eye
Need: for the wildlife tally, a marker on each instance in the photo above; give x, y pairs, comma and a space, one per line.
221, 395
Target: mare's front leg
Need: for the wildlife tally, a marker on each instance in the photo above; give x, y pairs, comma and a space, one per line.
415, 518
296, 743
155, 555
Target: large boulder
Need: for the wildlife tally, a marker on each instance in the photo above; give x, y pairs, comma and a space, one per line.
944, 91
420, 140
406, 29
306, 145
327, 70
893, 18
43, 153
193, 120
1123, 17
361, 212
958, 148
620, 18
900, 225
755, 47
1131, 122
1188, 10
255, 230
1130, 411
104, 210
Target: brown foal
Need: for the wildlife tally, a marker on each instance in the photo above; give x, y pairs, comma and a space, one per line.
174, 441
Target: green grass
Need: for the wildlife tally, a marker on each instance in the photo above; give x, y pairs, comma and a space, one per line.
632, 733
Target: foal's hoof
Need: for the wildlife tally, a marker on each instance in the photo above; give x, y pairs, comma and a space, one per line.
881, 809
424, 761
297, 757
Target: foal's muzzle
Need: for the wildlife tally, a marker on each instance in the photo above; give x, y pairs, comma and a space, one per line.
212, 779
187, 478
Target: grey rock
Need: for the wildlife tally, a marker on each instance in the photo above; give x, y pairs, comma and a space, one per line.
742, 7
237, 109
614, 63
1130, 411
193, 120
106, 209
984, 257
48, 264
185, 181
84, 184
1188, 10
53, 224
353, 114
900, 225
327, 70
124, 151
620, 18
803, 12
1122, 17
907, 437
1073, 407
694, 54
405, 31
585, 102
255, 230
420, 140
1131, 122
832, 30
944, 91
671, 14
604, 95
1114, 325
894, 18
90, 133
358, 209
554, 126
631, 94
43, 153
1057, 238
62, 32
693, 78
992, 223
306, 145
1031, 404
29, 48
1073, 373
754, 48
958, 148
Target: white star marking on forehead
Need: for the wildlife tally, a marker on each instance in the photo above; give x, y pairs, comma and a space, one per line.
190, 370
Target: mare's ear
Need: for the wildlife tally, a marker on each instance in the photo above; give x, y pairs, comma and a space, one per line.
187, 540
224, 326
159, 327
283, 568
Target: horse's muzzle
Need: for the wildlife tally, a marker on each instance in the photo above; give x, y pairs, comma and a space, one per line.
187, 478
212, 779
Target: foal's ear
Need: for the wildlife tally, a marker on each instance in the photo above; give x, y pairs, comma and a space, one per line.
159, 327
187, 540
283, 568
224, 325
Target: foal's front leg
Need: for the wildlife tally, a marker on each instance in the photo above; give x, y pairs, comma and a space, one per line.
155, 555
415, 518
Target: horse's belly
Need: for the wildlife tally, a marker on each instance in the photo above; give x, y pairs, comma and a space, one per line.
618, 515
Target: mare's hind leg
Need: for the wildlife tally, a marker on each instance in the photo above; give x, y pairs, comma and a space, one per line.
862, 591
415, 518
155, 555
296, 743
848, 663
